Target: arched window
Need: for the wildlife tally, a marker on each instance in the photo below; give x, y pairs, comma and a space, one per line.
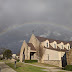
62, 46
68, 47
54, 45
48, 56
23, 52
47, 44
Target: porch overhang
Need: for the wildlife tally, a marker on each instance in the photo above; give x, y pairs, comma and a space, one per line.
32, 51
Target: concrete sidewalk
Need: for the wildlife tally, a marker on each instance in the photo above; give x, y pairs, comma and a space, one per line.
5, 68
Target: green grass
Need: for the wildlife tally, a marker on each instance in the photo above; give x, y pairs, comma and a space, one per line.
68, 67
43, 64
1, 60
20, 67
61, 71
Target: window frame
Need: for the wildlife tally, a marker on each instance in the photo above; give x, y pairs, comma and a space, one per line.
48, 56
68, 47
47, 45
62, 47
54, 45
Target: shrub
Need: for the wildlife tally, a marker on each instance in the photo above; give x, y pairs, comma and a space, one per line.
31, 61
17, 60
68, 67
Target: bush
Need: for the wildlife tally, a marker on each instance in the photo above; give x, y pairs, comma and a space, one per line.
68, 67
18, 60
31, 61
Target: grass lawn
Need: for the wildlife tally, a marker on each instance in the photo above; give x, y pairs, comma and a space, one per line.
68, 67
1, 60
61, 71
43, 64
25, 68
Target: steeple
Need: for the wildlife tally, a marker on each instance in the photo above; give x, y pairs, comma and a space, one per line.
32, 35
32, 38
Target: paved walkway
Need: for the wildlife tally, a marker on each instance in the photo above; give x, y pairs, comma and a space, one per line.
50, 69
5, 68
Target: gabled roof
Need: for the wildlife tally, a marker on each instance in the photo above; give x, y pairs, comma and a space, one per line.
31, 45
57, 49
50, 46
70, 42
41, 39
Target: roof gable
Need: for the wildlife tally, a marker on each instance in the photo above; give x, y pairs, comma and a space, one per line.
41, 39
31, 45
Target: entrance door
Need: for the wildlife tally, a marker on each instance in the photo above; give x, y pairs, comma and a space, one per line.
64, 62
30, 56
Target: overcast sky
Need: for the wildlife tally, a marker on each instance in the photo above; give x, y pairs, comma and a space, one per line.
16, 14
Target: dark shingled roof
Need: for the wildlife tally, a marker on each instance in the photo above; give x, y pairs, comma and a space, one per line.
31, 45
57, 49
50, 46
70, 42
41, 39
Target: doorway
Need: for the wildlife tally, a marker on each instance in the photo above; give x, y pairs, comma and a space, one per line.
24, 55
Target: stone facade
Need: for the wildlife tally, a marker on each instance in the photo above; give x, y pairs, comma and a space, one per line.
69, 57
27, 52
54, 62
53, 50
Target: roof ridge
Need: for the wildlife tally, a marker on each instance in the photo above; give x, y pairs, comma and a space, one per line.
50, 39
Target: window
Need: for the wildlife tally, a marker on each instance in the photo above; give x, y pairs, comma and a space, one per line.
68, 47
47, 44
48, 56
62, 46
23, 52
54, 45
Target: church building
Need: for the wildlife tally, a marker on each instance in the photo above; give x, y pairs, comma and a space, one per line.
49, 51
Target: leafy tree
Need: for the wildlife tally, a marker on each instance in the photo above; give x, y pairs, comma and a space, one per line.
7, 54
40, 52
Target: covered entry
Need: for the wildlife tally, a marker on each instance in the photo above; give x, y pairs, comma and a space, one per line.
27, 52
32, 55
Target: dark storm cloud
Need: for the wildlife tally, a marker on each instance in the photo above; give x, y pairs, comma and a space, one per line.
22, 11
48, 18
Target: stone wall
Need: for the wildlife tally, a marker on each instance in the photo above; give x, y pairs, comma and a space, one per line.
54, 62
69, 57
51, 55
35, 43
26, 55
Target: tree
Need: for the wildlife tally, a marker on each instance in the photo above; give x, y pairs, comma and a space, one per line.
40, 52
7, 54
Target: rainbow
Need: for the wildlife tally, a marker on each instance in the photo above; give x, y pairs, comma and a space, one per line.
16, 26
